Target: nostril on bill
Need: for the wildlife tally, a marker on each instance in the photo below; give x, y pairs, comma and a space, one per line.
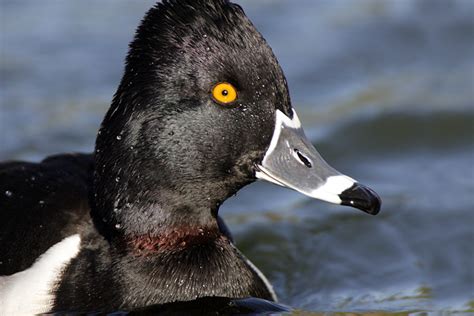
303, 159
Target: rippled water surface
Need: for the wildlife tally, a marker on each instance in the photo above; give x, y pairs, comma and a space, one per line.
385, 90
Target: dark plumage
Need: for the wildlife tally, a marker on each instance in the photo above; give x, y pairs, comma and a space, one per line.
41, 204
165, 134
145, 204
166, 158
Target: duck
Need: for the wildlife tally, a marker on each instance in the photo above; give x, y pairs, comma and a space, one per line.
203, 109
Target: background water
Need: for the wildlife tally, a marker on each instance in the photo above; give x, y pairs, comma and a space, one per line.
385, 91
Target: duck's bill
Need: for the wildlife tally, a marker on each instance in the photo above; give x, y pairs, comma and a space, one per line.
292, 161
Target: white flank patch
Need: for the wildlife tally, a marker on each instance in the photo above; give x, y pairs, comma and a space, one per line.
331, 189
30, 292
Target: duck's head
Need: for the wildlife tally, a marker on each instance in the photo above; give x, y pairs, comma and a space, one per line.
202, 110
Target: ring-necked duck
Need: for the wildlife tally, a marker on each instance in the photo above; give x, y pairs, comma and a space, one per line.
202, 110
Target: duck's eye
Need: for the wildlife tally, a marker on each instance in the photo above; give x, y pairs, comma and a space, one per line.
224, 93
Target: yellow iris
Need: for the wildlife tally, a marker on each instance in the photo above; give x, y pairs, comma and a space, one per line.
224, 93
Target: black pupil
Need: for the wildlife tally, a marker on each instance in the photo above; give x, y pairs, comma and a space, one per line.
225, 92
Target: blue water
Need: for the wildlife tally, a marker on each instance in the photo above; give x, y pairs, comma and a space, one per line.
385, 91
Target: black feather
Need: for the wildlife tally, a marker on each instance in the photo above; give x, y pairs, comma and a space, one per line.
166, 157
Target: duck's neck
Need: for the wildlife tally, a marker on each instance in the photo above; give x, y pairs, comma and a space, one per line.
175, 239
184, 268
158, 218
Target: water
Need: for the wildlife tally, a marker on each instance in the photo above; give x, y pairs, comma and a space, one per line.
385, 91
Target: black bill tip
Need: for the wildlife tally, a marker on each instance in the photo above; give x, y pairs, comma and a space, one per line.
361, 197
